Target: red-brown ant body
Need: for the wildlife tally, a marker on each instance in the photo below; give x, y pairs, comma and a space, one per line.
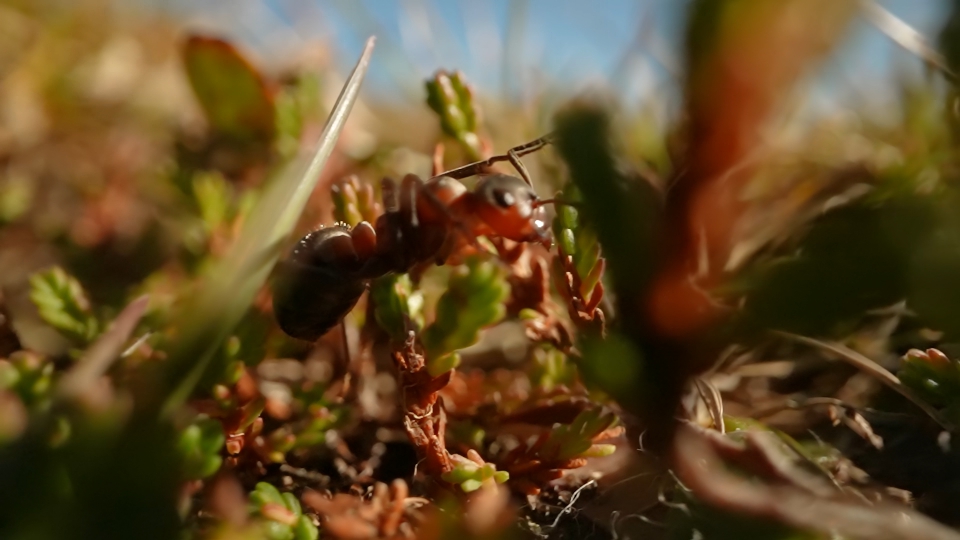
426, 222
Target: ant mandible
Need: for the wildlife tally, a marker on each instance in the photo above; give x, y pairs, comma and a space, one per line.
328, 270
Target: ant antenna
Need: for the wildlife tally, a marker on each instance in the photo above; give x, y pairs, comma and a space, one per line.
513, 156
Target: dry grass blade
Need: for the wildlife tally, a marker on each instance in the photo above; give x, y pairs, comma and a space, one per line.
795, 405
699, 465
713, 400
905, 36
873, 369
231, 284
103, 352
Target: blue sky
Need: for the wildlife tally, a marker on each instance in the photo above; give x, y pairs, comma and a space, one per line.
505, 46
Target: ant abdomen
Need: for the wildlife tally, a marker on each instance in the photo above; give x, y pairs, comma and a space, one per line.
318, 283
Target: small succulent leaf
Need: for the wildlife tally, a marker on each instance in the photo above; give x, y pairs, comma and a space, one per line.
469, 486
292, 504
305, 529
274, 530
452, 99
474, 299
265, 493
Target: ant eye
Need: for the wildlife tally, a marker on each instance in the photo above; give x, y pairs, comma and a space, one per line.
504, 198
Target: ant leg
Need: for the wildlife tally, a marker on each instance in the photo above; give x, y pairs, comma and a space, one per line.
409, 187
379, 243
388, 192
515, 153
345, 390
364, 238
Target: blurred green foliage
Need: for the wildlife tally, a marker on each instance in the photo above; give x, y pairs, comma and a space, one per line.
354, 202
398, 305
833, 278
64, 305
280, 514
935, 377
30, 376
449, 95
575, 440
551, 368
474, 299
200, 445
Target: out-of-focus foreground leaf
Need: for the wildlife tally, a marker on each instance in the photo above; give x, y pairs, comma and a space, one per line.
742, 57
627, 216
835, 274
100, 475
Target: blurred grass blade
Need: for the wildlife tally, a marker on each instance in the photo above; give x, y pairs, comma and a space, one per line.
103, 352
905, 36
230, 286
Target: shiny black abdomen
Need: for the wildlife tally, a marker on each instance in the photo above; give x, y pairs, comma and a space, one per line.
315, 288
318, 284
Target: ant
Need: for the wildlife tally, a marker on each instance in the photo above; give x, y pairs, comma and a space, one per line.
425, 222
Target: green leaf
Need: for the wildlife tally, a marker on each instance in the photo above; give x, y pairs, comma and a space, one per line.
9, 375
443, 364
625, 213
460, 473
289, 124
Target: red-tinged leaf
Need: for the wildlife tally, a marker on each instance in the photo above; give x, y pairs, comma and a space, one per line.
236, 98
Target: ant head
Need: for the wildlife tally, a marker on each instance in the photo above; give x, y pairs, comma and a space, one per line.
511, 208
